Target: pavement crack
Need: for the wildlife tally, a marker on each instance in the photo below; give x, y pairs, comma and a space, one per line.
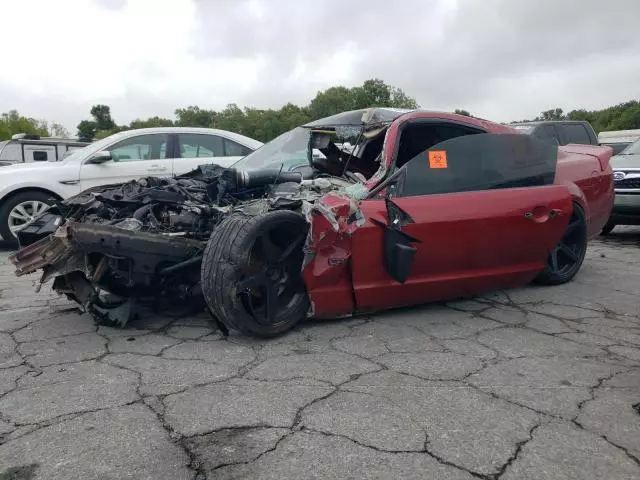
519, 446
625, 450
257, 457
424, 450
592, 391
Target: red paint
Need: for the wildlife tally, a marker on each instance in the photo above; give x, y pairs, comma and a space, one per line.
328, 276
472, 242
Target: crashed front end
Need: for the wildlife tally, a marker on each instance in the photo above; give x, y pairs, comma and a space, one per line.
107, 269
118, 249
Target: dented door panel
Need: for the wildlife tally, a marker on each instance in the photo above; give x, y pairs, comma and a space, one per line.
468, 243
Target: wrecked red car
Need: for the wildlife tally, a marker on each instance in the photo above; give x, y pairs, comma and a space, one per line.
358, 212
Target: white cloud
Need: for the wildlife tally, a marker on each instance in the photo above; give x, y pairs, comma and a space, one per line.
129, 58
501, 59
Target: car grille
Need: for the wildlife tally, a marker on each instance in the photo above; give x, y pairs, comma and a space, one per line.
628, 183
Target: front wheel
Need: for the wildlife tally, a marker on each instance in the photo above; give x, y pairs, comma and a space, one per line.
18, 210
251, 272
566, 258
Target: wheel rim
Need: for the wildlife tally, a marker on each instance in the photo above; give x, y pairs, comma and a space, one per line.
23, 213
568, 252
272, 279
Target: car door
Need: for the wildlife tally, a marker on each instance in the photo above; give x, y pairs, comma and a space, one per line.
199, 148
471, 214
132, 158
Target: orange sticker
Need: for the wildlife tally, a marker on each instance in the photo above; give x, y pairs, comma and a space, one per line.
437, 159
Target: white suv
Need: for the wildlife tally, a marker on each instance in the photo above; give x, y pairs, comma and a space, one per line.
27, 189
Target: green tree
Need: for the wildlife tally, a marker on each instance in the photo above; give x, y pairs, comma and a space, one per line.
194, 116
12, 122
331, 101
102, 116
372, 93
399, 99
87, 130
151, 123
553, 114
461, 111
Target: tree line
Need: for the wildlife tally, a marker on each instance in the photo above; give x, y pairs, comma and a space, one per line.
261, 124
624, 116
266, 124
12, 122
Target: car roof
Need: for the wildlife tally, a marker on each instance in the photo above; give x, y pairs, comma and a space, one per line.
354, 117
244, 140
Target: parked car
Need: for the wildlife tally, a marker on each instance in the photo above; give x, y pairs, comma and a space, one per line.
561, 132
427, 207
24, 148
626, 177
618, 139
27, 189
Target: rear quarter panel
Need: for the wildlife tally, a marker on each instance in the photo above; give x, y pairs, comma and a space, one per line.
586, 171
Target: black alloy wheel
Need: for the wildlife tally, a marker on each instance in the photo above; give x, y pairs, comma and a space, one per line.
566, 258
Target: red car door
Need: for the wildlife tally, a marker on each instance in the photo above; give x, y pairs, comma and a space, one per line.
458, 243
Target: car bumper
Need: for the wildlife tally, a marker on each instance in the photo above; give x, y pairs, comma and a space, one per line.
626, 209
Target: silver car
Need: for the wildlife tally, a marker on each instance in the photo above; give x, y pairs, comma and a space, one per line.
626, 177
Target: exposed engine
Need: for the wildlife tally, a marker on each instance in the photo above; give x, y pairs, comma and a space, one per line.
111, 246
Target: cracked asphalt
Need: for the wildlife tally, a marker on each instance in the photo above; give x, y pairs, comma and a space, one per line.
532, 383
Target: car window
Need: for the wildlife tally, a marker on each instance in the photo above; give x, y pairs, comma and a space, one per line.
233, 149
142, 147
479, 162
11, 151
196, 146
548, 133
575, 133
40, 156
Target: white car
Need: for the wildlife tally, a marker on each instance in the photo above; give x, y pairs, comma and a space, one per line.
27, 189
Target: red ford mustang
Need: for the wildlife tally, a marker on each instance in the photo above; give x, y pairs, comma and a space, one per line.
362, 211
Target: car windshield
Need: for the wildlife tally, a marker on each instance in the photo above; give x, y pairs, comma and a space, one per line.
633, 149
94, 147
290, 149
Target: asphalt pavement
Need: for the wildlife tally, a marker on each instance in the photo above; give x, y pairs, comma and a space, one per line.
532, 383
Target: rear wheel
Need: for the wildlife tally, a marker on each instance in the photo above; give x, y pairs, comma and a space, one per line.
566, 258
18, 210
251, 272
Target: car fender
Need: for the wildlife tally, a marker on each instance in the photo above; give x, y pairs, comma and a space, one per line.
61, 180
577, 195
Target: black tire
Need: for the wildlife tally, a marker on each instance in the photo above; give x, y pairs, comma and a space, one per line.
608, 228
567, 257
236, 273
11, 202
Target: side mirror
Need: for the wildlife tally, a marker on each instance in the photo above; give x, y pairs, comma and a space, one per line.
100, 157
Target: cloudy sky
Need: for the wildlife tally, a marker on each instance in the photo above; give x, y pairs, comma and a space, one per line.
500, 59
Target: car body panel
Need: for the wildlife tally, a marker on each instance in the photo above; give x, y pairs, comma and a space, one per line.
469, 242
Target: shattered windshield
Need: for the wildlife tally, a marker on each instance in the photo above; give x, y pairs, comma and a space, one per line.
290, 149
